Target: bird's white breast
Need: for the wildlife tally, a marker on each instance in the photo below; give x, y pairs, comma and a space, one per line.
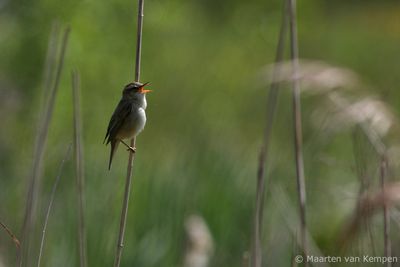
133, 124
144, 102
140, 120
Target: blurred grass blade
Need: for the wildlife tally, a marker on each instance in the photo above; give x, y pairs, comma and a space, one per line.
48, 73
48, 77
272, 100
40, 145
51, 200
79, 169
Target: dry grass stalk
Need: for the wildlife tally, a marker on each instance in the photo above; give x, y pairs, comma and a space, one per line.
40, 145
10, 233
301, 187
375, 121
79, 169
51, 200
270, 115
120, 244
370, 114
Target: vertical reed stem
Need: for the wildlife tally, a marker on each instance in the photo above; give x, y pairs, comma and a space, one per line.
129, 172
298, 142
139, 40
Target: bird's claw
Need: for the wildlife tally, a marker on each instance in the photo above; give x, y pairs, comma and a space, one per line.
131, 149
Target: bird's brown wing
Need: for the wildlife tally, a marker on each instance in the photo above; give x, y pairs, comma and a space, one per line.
122, 111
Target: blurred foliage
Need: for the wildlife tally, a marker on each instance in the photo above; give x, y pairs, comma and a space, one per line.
198, 153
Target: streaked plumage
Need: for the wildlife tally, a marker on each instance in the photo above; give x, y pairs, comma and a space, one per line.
129, 117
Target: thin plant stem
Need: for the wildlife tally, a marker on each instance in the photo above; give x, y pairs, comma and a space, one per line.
272, 100
79, 169
129, 172
386, 213
10, 233
139, 39
124, 211
51, 201
298, 142
40, 145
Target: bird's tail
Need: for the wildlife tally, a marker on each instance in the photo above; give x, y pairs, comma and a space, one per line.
114, 146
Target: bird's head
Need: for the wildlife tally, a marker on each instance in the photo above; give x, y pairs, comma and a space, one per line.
135, 90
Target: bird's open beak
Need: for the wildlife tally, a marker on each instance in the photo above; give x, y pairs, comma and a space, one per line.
142, 90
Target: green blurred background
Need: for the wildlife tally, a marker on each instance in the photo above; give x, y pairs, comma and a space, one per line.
198, 153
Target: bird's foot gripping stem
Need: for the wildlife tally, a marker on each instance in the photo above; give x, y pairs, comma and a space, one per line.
131, 149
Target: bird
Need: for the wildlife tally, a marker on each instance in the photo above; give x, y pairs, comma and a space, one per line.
128, 119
